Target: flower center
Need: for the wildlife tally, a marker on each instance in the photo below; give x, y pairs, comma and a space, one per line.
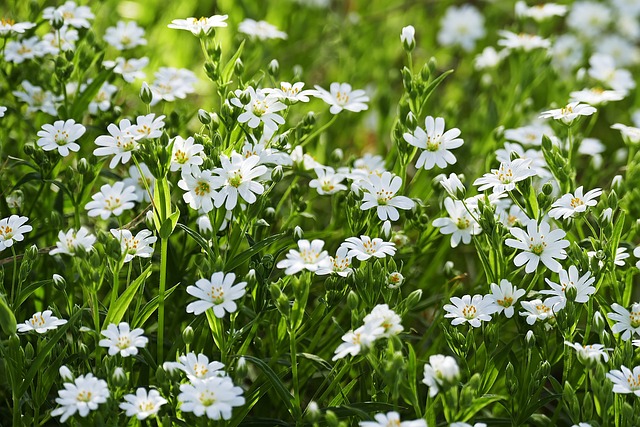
309, 256
575, 202
124, 342
259, 108
566, 110
634, 319
6, 232
384, 196
469, 311
202, 188
327, 185
207, 398
342, 98
505, 302
200, 370
463, 223
84, 396
146, 406
180, 157
38, 321
61, 137
216, 293
505, 174
235, 179
433, 142
111, 203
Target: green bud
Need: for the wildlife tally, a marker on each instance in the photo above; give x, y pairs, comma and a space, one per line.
511, 379
274, 68
331, 419
146, 96
337, 155
204, 116
211, 70
410, 121
352, 301
28, 352
413, 299
238, 67
407, 79
309, 119
83, 166
59, 282
119, 377
188, 335
277, 173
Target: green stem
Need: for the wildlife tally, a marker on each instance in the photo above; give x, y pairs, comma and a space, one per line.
15, 270
294, 371
318, 131
164, 248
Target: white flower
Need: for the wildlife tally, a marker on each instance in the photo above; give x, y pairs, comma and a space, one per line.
143, 404
566, 53
64, 39
218, 293
2, 110
61, 136
488, 58
441, 371
69, 241
171, 84
102, 100
529, 135
470, 310
138, 181
625, 381
568, 114
538, 163
41, 322
461, 26
636, 253
627, 322
19, 51
199, 186
341, 97
589, 18
512, 216
199, 27
597, 96
261, 30
380, 192
505, 297
236, 178
197, 366
364, 247
435, 142
460, 223
408, 36
185, 153
569, 279
630, 134
148, 127
522, 41
358, 340
327, 181
121, 143
536, 310
395, 280
82, 396
538, 243
603, 69
382, 315
340, 264
111, 200
392, 419
214, 396
8, 26
121, 339
452, 185
590, 353
71, 14
540, 12
12, 229
125, 35
291, 93
37, 99
310, 257
569, 205
138, 246
130, 69
260, 108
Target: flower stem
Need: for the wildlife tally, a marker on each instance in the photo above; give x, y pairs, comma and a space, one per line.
164, 247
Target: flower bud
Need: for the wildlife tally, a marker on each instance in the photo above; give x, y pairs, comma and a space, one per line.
297, 233
386, 230
407, 37
241, 367
204, 116
59, 282
57, 21
337, 155
187, 335
352, 301
238, 67
146, 95
66, 373
616, 182
119, 377
410, 121
413, 299
277, 173
530, 338
395, 280
274, 68
598, 322
313, 411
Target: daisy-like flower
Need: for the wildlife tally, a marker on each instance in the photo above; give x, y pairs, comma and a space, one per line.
121, 339
540, 12
630, 134
197, 366
61, 136
19, 51
199, 186
441, 372
111, 200
215, 396
591, 353
12, 229
511, 215
627, 322
310, 257
452, 185
82, 396
340, 264
3, 110
505, 297
356, 341
63, 39
569, 205
435, 142
470, 310
236, 178
102, 100
380, 193
130, 69
625, 380
383, 316
125, 35
365, 247
569, 279
148, 127
461, 26
538, 243
199, 27
138, 181
506, 176
171, 84
568, 114
538, 163
261, 30
536, 310
68, 242
261, 108
522, 41
328, 181
340, 96
597, 96
72, 14
392, 419
185, 153
143, 404
218, 293
120, 143
37, 99
8, 26
138, 246
290, 93
41, 322
636, 253
603, 69
460, 223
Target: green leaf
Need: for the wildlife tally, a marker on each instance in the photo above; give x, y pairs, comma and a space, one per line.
150, 308
434, 84
162, 202
116, 313
615, 236
82, 101
246, 255
169, 225
199, 240
479, 403
28, 290
276, 382
7, 318
228, 69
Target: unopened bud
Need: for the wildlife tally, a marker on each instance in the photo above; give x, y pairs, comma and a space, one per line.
274, 68
146, 95
407, 37
65, 373
204, 116
187, 335
298, 233
119, 377
277, 173
395, 280
59, 282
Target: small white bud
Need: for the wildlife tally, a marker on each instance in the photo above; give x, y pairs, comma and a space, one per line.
298, 233
407, 37
65, 373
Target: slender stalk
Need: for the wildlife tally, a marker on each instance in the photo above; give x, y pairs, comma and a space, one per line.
15, 270
318, 131
164, 247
